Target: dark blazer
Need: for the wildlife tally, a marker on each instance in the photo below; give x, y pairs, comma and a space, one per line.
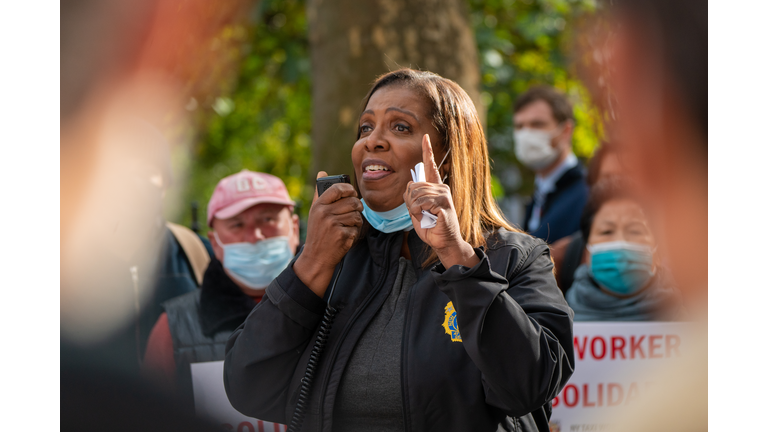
484, 348
561, 212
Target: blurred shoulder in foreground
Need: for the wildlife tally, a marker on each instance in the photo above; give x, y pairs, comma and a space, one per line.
655, 85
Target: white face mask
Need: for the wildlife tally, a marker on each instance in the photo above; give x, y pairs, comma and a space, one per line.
533, 148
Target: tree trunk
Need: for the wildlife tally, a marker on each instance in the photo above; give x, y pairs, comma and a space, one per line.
354, 41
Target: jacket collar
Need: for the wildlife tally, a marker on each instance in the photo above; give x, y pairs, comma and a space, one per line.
419, 253
571, 176
223, 305
545, 185
378, 242
382, 246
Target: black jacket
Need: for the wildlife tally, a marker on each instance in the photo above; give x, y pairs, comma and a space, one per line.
513, 355
561, 212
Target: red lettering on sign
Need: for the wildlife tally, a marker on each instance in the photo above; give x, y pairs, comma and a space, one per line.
587, 403
556, 401
617, 344
654, 346
580, 348
673, 343
600, 394
602, 351
242, 427
598, 346
571, 402
636, 346
260, 425
632, 392
619, 392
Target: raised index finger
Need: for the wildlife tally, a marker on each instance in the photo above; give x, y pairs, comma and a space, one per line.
428, 157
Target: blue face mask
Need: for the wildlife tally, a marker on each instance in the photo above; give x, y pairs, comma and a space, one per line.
621, 267
397, 219
255, 265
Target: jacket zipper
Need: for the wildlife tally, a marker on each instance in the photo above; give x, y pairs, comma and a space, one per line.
344, 332
403, 349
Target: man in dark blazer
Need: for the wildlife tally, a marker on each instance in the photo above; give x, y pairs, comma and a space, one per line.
544, 125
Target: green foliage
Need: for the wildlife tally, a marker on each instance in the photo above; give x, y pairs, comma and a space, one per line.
261, 121
522, 43
497, 190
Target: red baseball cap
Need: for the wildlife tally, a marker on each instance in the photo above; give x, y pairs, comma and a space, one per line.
245, 189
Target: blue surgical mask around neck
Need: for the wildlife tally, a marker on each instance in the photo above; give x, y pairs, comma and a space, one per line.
620, 267
397, 219
255, 265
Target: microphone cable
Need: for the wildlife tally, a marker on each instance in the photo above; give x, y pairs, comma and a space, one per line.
323, 184
314, 359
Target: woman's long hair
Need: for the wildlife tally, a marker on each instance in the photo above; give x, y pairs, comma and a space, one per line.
455, 118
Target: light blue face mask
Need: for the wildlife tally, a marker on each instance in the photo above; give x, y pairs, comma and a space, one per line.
621, 267
255, 265
397, 219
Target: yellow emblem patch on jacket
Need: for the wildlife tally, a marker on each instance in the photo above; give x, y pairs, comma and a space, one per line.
451, 325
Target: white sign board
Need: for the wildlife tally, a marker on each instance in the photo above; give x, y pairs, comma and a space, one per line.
211, 401
612, 360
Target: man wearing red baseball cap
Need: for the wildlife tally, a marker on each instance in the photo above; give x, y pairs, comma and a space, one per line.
254, 235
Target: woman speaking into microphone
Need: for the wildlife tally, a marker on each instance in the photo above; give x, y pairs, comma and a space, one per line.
444, 317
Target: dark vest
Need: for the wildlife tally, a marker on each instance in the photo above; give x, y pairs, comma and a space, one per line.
201, 322
190, 344
175, 277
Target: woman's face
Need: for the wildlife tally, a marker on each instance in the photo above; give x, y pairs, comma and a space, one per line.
621, 220
391, 130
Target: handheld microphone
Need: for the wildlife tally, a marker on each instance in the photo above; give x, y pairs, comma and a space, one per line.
323, 183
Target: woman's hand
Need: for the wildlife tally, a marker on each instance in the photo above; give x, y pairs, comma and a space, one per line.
435, 197
333, 226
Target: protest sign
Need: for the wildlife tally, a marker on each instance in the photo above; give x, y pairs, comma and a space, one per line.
612, 362
211, 401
